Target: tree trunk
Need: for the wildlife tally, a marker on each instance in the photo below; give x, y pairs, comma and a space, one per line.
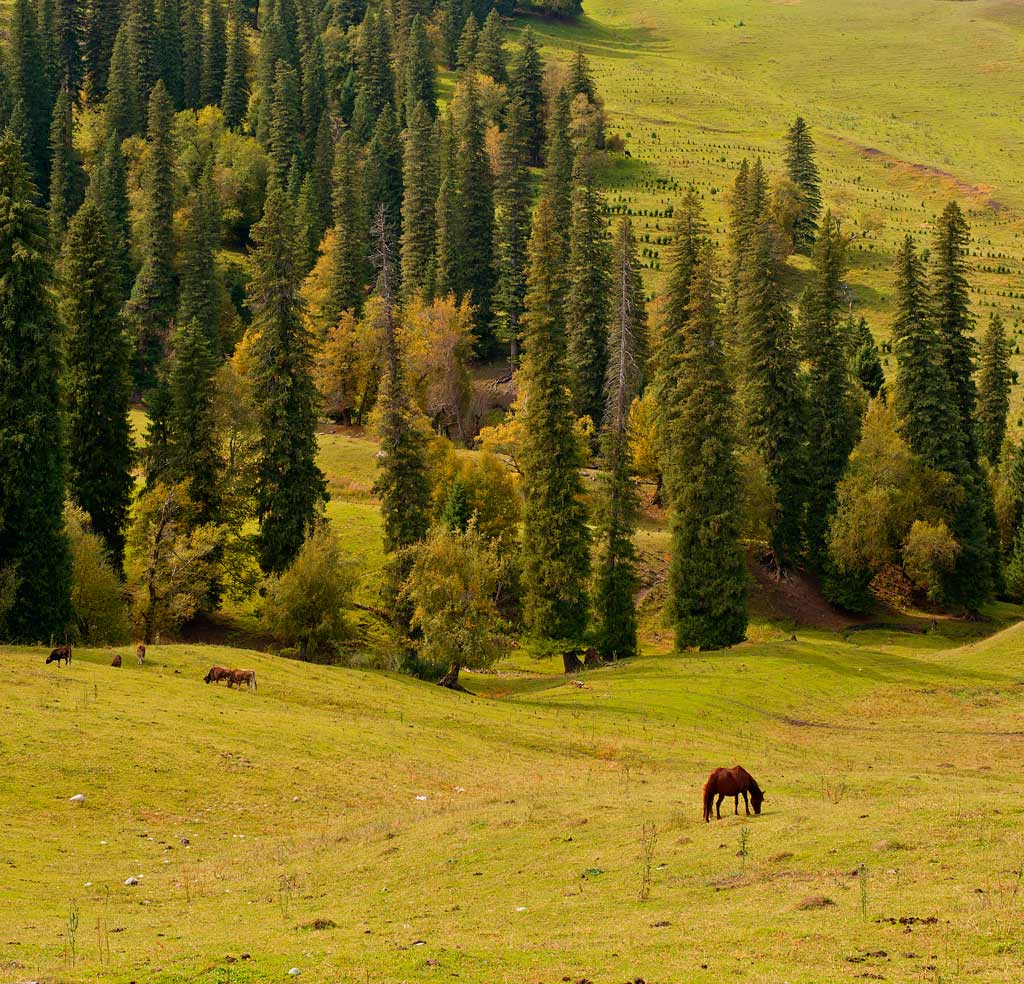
571, 661
451, 679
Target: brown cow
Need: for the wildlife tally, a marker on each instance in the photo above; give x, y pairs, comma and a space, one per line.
60, 653
140, 653
116, 661
248, 677
218, 673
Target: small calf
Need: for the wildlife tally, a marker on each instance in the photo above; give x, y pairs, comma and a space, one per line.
140, 654
60, 653
116, 661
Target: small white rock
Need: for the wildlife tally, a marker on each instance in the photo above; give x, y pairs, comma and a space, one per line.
131, 881
421, 798
294, 972
520, 908
88, 884
77, 798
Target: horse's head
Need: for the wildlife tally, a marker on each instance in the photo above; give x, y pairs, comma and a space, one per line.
756, 799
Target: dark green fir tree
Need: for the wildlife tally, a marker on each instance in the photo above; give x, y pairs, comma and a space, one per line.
556, 538
419, 226
993, 389
32, 540
803, 172
347, 273
707, 576
617, 579
291, 490
98, 387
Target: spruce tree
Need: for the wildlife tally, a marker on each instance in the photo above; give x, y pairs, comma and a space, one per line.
382, 176
447, 273
375, 81
290, 489
491, 57
234, 97
68, 27
526, 82
924, 400
214, 51
454, 14
123, 107
142, 44
687, 252
153, 302
32, 540
419, 228
465, 54
347, 274
285, 122
314, 95
170, 51
321, 168
102, 22
31, 85
774, 416
832, 419
556, 539
803, 172
865, 361
307, 218
193, 449
98, 386
67, 181
972, 581
403, 483
420, 81
557, 180
199, 300
512, 228
951, 306
617, 580
191, 18
707, 576
993, 389
475, 217
5, 98
108, 188
588, 299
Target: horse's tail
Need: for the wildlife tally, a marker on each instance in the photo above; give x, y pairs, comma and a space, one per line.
709, 796
253, 679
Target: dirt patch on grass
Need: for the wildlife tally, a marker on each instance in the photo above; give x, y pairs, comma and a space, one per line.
980, 194
816, 902
794, 597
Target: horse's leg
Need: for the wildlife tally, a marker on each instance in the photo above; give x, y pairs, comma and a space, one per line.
736, 805
746, 803
718, 805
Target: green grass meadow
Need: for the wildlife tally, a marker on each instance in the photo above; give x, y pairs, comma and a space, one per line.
435, 836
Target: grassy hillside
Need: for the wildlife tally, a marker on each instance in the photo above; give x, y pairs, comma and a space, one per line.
910, 103
438, 836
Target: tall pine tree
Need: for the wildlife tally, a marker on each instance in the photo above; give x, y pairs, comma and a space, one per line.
31, 85
707, 576
419, 227
993, 389
67, 181
100, 447
153, 302
803, 172
347, 266
588, 297
32, 540
556, 539
617, 580
526, 82
290, 489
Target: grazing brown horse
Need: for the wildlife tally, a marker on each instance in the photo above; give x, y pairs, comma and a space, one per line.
735, 783
218, 673
248, 677
60, 653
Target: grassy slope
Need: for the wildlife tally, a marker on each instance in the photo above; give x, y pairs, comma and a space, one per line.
301, 803
895, 93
